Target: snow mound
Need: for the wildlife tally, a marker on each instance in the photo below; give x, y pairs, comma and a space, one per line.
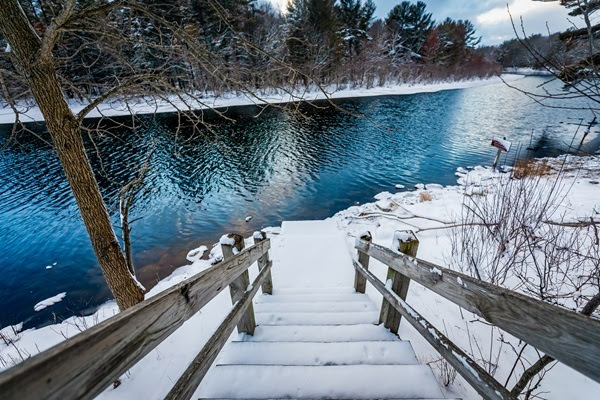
196, 254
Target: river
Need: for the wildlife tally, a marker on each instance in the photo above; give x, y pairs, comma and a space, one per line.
272, 165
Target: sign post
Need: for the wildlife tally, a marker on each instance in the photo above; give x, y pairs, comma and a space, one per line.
502, 145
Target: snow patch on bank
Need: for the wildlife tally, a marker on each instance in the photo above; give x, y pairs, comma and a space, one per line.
31, 113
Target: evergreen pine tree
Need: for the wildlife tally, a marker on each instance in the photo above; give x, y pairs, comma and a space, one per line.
355, 19
409, 26
313, 41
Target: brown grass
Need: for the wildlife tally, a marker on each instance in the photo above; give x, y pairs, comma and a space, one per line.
424, 196
529, 168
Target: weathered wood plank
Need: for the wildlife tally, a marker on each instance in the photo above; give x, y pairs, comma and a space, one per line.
86, 364
477, 377
267, 286
565, 335
237, 288
360, 283
407, 243
188, 382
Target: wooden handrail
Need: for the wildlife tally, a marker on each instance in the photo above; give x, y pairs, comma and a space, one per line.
83, 366
193, 375
567, 336
477, 377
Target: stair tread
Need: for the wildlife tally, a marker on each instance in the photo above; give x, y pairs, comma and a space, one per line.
316, 307
320, 333
333, 382
319, 353
314, 290
312, 318
312, 298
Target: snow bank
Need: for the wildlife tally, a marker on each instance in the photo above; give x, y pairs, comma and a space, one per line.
528, 71
32, 113
429, 219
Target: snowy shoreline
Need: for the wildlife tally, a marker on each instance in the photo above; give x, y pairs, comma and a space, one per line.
32, 113
404, 210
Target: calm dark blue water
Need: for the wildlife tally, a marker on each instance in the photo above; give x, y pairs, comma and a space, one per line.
276, 166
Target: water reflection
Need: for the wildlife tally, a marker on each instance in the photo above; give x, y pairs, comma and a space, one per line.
274, 167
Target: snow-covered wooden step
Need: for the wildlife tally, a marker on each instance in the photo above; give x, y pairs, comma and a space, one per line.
317, 333
315, 290
319, 353
310, 228
315, 297
316, 307
332, 382
312, 254
312, 318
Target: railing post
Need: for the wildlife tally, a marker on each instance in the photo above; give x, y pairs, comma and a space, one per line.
360, 282
404, 242
267, 285
232, 244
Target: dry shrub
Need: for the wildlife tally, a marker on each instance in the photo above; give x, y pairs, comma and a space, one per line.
446, 373
529, 168
424, 196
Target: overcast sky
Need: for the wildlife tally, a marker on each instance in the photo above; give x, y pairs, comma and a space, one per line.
490, 16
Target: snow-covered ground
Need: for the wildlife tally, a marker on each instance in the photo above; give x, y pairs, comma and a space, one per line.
429, 206
147, 106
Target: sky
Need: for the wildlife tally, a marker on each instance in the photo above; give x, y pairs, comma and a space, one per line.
490, 16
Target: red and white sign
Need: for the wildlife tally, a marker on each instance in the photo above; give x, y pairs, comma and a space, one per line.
501, 144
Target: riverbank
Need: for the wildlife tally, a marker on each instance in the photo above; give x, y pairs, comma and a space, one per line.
429, 210
31, 113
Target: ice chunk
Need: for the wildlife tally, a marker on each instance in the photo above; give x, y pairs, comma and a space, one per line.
50, 301
434, 186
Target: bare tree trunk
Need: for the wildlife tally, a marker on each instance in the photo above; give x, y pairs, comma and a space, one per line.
37, 67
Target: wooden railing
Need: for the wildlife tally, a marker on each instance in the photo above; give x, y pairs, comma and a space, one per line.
85, 365
567, 336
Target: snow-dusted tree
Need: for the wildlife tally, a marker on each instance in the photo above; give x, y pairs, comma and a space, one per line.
35, 63
409, 25
313, 41
457, 40
355, 20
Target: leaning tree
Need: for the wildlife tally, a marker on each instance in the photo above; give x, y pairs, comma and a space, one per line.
92, 52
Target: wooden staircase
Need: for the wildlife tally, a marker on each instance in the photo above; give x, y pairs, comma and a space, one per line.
313, 333
319, 343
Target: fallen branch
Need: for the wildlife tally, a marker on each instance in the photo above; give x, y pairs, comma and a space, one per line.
574, 224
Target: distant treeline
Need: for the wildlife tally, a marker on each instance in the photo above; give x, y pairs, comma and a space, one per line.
537, 52
246, 43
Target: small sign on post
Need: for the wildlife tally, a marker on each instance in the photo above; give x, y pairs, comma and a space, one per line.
502, 145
